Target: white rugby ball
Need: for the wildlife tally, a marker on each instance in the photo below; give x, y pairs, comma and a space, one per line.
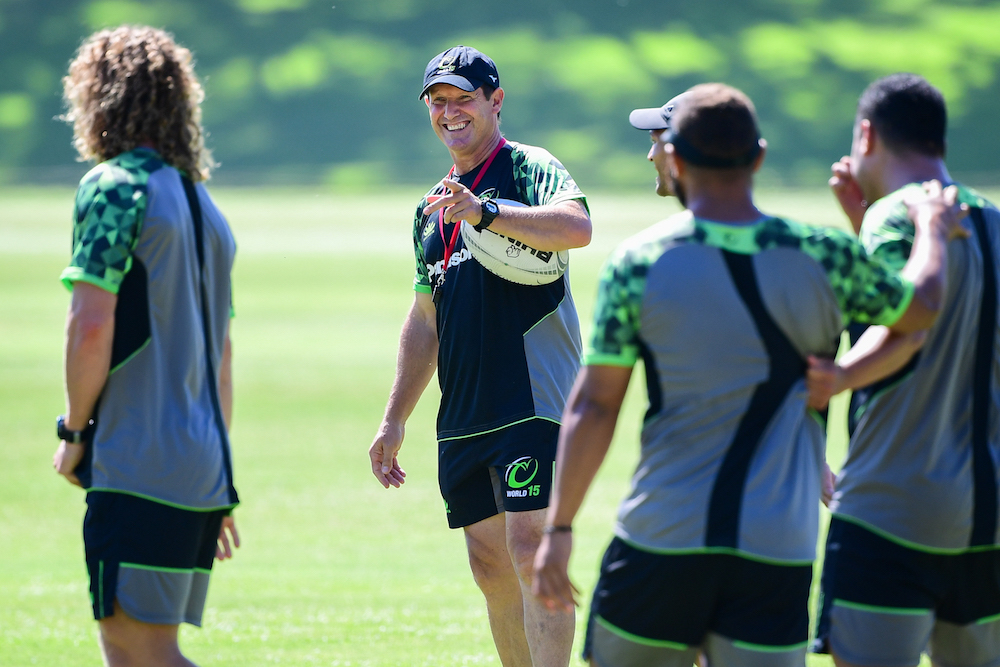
512, 260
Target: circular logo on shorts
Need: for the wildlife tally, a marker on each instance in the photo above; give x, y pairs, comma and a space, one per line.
521, 472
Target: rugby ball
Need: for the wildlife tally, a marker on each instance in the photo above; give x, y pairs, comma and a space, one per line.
512, 260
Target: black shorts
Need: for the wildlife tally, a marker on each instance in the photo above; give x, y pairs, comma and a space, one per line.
676, 601
885, 603
505, 470
155, 559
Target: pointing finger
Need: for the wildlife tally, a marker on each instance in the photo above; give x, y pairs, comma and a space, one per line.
439, 202
453, 185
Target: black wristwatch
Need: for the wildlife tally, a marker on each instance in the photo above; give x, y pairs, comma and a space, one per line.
490, 212
73, 437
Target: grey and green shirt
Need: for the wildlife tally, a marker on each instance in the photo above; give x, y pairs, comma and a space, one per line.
157, 430
668, 296
911, 470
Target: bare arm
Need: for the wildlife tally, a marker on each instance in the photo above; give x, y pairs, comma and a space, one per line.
588, 425
90, 328
415, 365
551, 227
879, 353
227, 542
937, 219
226, 381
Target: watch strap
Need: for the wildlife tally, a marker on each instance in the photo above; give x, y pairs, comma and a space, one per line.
490, 212
71, 436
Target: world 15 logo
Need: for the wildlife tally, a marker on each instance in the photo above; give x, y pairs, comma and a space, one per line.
519, 475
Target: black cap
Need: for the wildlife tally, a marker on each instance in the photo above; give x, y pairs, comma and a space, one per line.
463, 67
654, 119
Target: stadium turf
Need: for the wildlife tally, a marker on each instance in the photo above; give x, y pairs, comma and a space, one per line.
334, 570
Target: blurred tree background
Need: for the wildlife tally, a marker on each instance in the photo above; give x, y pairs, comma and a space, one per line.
311, 91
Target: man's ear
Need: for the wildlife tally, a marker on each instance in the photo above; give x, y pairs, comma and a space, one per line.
675, 163
867, 138
497, 100
759, 160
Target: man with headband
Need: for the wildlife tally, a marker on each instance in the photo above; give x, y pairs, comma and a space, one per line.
506, 354
714, 544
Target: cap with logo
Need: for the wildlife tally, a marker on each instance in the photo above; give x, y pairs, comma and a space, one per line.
659, 119
654, 119
463, 67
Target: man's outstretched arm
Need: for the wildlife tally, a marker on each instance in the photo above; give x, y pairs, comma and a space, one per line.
588, 424
879, 353
415, 365
550, 227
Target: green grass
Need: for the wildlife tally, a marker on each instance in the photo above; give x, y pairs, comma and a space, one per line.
334, 570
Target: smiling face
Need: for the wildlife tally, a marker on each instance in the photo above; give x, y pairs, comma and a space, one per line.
465, 122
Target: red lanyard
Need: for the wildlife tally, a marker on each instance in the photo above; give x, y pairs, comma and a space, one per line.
450, 247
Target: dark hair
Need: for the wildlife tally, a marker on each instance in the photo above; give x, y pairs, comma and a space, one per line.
907, 112
719, 122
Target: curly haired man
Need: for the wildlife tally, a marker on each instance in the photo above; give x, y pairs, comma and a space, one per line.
147, 352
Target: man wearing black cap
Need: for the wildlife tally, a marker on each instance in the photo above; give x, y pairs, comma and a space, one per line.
714, 544
506, 354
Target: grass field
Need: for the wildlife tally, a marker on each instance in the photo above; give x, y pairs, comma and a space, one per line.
334, 570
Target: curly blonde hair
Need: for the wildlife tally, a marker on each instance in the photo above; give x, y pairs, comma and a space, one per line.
135, 86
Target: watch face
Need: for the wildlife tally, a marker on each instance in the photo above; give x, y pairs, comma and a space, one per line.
491, 206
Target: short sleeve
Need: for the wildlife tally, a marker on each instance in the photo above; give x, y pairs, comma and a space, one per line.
543, 179
109, 211
887, 232
615, 337
421, 279
867, 289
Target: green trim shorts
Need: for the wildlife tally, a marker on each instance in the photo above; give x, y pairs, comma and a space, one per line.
507, 470
884, 603
155, 559
659, 610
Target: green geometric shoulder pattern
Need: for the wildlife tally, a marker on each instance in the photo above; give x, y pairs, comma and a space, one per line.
865, 289
887, 231
423, 227
540, 178
110, 208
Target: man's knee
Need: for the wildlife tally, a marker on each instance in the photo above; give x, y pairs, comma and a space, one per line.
488, 557
127, 641
524, 534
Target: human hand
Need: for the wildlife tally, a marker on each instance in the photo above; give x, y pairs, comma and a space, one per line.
828, 484
550, 580
67, 457
459, 204
848, 192
824, 380
383, 452
938, 206
222, 548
